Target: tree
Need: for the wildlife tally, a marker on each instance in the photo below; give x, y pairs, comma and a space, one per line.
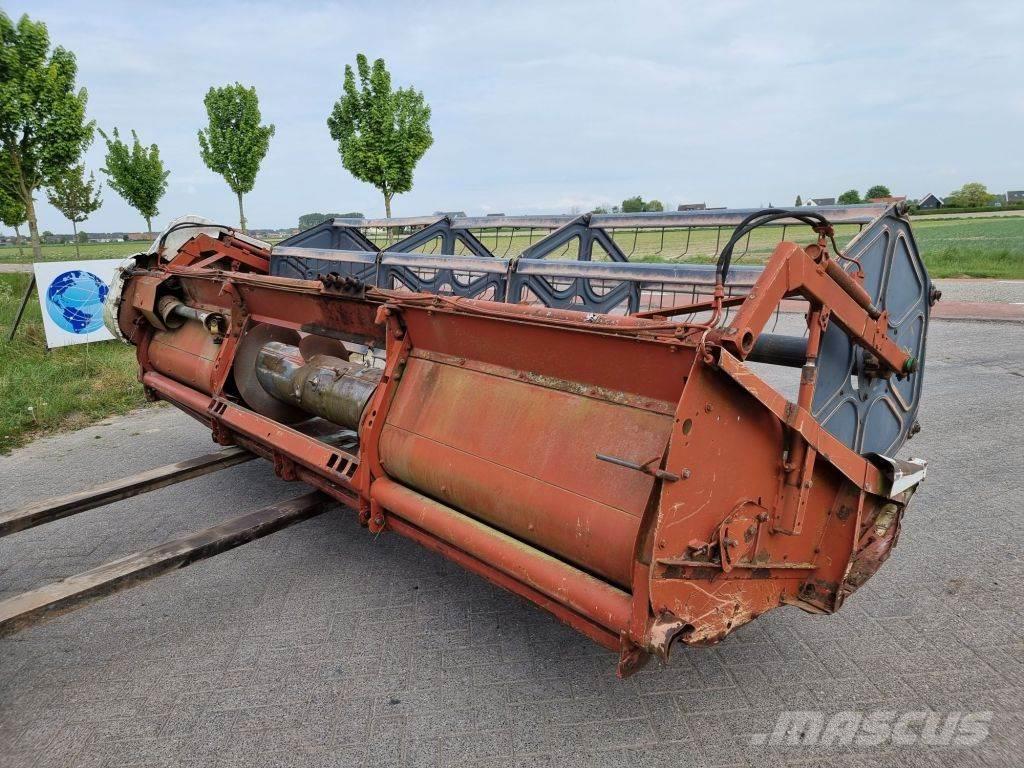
234, 143
654, 206
43, 130
74, 197
600, 209
137, 174
82, 237
798, 202
309, 220
972, 195
381, 133
633, 205
879, 190
849, 197
12, 210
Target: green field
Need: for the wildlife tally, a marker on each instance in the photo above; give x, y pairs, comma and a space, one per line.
64, 388
979, 247
969, 247
9, 253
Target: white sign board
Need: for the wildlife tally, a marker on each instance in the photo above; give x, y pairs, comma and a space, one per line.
71, 295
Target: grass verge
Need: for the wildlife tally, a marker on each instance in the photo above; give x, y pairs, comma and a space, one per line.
43, 391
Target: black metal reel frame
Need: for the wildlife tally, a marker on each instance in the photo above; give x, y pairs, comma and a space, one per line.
584, 282
869, 413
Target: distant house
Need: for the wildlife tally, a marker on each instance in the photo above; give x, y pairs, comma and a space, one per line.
140, 236
930, 202
273, 234
106, 237
451, 214
495, 214
820, 201
692, 207
998, 200
1016, 196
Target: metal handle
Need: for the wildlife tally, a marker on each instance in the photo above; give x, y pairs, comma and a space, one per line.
659, 473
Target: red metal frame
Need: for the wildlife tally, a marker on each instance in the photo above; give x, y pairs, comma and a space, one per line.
747, 504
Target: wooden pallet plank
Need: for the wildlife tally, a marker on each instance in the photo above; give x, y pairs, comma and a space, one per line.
57, 507
28, 608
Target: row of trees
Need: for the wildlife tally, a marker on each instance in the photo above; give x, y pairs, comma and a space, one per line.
632, 205
970, 195
44, 133
852, 196
310, 220
381, 133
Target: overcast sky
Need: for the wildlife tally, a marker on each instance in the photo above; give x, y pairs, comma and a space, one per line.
543, 107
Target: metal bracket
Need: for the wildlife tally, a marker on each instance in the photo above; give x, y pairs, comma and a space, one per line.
659, 473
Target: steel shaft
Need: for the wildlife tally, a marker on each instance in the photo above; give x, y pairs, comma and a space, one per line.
324, 386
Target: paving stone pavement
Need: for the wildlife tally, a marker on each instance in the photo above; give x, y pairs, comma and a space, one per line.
323, 645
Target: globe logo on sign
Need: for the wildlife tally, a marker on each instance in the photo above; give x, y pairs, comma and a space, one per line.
74, 301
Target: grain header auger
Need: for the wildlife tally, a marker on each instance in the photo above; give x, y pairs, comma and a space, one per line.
589, 433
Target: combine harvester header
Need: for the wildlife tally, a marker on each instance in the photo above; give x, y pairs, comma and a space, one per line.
581, 429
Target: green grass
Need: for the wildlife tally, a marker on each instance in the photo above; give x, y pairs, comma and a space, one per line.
9, 253
978, 247
64, 388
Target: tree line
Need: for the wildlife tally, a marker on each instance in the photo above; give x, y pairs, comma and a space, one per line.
381, 132
971, 195
632, 205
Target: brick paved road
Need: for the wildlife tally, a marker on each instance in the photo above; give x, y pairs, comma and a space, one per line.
325, 646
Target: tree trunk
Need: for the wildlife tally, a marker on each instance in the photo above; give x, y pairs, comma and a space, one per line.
30, 207
149, 225
33, 229
387, 204
17, 236
74, 228
241, 212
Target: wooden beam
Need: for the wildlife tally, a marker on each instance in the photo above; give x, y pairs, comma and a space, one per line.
48, 510
40, 604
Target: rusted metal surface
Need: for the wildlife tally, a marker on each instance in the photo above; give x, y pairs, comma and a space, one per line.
30, 608
575, 590
188, 353
48, 510
524, 486
629, 474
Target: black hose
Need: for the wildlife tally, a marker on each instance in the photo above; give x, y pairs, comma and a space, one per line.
757, 219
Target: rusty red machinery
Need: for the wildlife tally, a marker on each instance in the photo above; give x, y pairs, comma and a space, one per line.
568, 430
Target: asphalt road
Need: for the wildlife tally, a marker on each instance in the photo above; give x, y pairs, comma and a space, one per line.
323, 645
